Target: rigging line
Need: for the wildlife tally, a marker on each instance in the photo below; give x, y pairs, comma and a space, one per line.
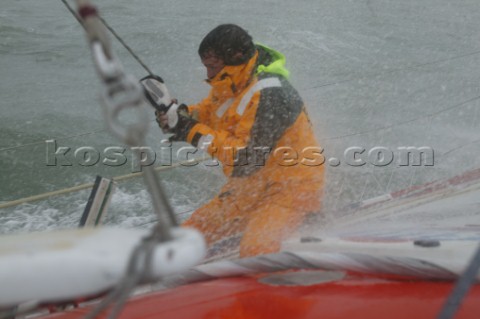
404, 122
73, 13
89, 185
112, 31
461, 146
395, 70
125, 46
461, 288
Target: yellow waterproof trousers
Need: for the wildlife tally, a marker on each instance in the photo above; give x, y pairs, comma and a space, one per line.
266, 214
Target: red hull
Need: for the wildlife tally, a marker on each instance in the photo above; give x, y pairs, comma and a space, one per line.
355, 296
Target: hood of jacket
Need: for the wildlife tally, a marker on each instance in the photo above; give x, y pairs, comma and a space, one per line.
271, 61
232, 79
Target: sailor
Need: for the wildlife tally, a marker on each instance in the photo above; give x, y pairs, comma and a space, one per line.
255, 124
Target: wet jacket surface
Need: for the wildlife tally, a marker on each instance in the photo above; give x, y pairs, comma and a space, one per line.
254, 122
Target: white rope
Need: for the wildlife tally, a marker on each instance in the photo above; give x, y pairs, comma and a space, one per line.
375, 263
89, 185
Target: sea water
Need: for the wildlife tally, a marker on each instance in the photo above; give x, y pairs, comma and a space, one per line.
376, 76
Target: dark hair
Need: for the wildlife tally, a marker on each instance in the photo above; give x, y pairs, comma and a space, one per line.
230, 43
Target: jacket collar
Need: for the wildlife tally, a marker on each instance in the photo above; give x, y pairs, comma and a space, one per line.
232, 79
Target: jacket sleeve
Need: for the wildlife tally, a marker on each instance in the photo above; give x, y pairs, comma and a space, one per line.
222, 144
201, 111
269, 113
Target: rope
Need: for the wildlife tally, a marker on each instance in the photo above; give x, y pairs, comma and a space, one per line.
138, 268
89, 185
461, 56
125, 45
73, 13
404, 122
462, 286
461, 146
112, 31
324, 139
368, 262
314, 87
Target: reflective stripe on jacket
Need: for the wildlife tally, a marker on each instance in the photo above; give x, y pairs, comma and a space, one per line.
254, 122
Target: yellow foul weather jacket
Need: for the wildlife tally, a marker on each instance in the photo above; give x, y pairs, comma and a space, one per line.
255, 124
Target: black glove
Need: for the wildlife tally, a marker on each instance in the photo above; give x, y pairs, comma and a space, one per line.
183, 124
171, 117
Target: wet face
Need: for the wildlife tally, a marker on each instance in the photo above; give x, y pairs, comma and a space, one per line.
213, 64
